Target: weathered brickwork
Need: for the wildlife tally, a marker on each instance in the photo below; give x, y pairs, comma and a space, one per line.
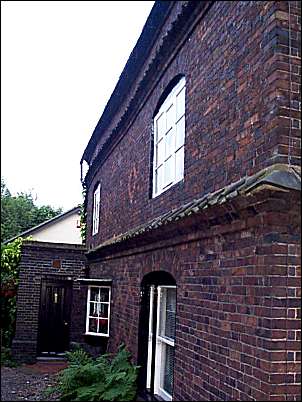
238, 283
37, 263
236, 65
238, 305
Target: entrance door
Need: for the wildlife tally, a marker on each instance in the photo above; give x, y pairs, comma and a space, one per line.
55, 305
163, 335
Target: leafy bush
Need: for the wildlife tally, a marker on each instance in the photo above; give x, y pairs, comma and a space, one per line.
78, 357
6, 358
10, 258
99, 379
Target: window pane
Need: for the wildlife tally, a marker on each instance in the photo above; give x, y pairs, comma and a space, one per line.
180, 132
168, 367
180, 103
179, 164
160, 151
169, 143
170, 117
103, 310
103, 326
104, 295
93, 312
168, 171
98, 309
94, 294
160, 126
93, 325
170, 313
159, 176
167, 313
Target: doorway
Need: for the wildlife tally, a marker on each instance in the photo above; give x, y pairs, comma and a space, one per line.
157, 335
54, 318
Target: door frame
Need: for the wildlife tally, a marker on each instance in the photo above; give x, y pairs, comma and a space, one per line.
147, 322
55, 281
160, 342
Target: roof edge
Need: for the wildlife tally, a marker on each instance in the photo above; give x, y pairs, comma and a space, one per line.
151, 27
279, 176
51, 245
32, 230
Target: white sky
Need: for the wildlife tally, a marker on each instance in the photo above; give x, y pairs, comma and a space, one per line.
60, 63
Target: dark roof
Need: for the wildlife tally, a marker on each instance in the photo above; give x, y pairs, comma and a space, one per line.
279, 176
34, 229
136, 59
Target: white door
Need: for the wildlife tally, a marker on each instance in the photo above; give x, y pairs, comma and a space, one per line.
165, 338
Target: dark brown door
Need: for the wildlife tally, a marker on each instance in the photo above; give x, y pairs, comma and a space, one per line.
54, 320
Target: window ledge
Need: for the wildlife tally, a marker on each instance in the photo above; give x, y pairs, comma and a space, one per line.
167, 188
93, 334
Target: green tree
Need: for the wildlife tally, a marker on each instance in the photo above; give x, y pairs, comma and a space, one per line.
10, 258
19, 213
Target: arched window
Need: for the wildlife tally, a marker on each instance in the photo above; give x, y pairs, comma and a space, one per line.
96, 209
169, 139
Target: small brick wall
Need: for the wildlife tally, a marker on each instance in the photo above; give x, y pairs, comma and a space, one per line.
238, 299
38, 260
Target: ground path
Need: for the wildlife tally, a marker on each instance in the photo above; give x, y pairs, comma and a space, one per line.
28, 382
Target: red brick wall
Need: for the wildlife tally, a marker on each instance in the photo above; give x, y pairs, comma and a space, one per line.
238, 118
238, 284
37, 262
238, 300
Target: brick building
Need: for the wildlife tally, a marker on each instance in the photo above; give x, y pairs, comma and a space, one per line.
193, 192
192, 202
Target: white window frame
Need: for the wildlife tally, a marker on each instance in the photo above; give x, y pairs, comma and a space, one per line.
150, 337
161, 141
88, 309
96, 210
160, 342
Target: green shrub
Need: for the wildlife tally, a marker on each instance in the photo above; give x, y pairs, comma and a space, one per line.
101, 379
10, 258
78, 357
6, 358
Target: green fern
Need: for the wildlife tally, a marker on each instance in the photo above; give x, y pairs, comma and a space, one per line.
78, 357
100, 379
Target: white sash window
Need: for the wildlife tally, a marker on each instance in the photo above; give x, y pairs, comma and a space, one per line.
165, 341
169, 139
96, 210
98, 310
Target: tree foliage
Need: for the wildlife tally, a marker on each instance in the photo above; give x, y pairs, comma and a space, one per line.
10, 258
19, 213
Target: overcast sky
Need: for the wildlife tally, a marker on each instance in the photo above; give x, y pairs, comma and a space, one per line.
60, 63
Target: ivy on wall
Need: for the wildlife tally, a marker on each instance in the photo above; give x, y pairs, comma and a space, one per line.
83, 216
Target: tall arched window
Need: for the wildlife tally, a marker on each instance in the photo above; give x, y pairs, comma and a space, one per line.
96, 209
169, 139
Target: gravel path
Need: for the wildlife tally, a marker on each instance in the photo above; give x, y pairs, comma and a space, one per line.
28, 383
